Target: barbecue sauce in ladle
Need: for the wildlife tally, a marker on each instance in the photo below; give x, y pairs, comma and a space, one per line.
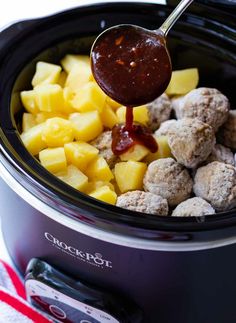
133, 67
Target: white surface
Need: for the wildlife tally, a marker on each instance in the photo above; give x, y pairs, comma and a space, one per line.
14, 10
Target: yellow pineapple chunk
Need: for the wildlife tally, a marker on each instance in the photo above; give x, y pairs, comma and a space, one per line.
80, 154
62, 79
53, 159
73, 177
105, 194
109, 117
98, 169
136, 153
183, 81
129, 175
93, 185
89, 97
29, 102
113, 104
46, 73
49, 97
68, 95
57, 132
87, 125
71, 62
162, 152
28, 121
43, 116
140, 114
78, 77
32, 139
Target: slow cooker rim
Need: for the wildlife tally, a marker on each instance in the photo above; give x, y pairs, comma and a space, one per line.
211, 222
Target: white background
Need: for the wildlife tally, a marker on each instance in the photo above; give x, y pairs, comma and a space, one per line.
15, 10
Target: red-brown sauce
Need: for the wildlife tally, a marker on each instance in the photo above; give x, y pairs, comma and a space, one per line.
133, 67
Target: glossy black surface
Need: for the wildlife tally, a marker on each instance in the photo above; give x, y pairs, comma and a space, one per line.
196, 36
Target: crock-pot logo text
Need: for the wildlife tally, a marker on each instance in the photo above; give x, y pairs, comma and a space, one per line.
93, 259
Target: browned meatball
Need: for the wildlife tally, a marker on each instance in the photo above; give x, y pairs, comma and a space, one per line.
169, 179
208, 105
222, 154
165, 127
144, 202
227, 133
159, 111
195, 206
103, 144
191, 141
216, 183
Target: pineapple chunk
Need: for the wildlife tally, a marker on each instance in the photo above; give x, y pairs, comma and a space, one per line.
78, 77
32, 139
43, 116
108, 117
104, 194
89, 97
73, 177
98, 169
57, 131
129, 175
29, 102
80, 154
28, 121
140, 114
68, 97
46, 73
162, 152
136, 153
183, 81
113, 104
49, 97
62, 79
87, 125
92, 186
53, 159
71, 62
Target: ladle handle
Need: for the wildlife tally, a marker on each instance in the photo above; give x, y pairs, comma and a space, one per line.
176, 13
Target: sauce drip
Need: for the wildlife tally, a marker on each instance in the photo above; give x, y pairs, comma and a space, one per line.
132, 66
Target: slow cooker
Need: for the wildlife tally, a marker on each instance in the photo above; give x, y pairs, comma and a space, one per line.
176, 270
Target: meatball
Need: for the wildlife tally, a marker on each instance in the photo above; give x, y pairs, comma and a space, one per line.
177, 103
227, 133
222, 154
144, 202
216, 183
169, 179
103, 144
191, 141
165, 127
195, 206
206, 104
159, 110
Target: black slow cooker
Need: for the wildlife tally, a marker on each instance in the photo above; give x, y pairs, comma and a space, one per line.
177, 270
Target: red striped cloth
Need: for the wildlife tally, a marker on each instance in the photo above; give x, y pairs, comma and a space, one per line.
13, 305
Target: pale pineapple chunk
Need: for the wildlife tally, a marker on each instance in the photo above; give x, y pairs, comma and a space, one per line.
129, 175
49, 97
53, 159
57, 132
183, 81
29, 102
104, 194
140, 114
78, 77
113, 104
162, 152
46, 73
43, 116
136, 153
32, 139
93, 185
71, 62
87, 125
89, 97
80, 154
73, 177
108, 117
98, 169
62, 79
28, 121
